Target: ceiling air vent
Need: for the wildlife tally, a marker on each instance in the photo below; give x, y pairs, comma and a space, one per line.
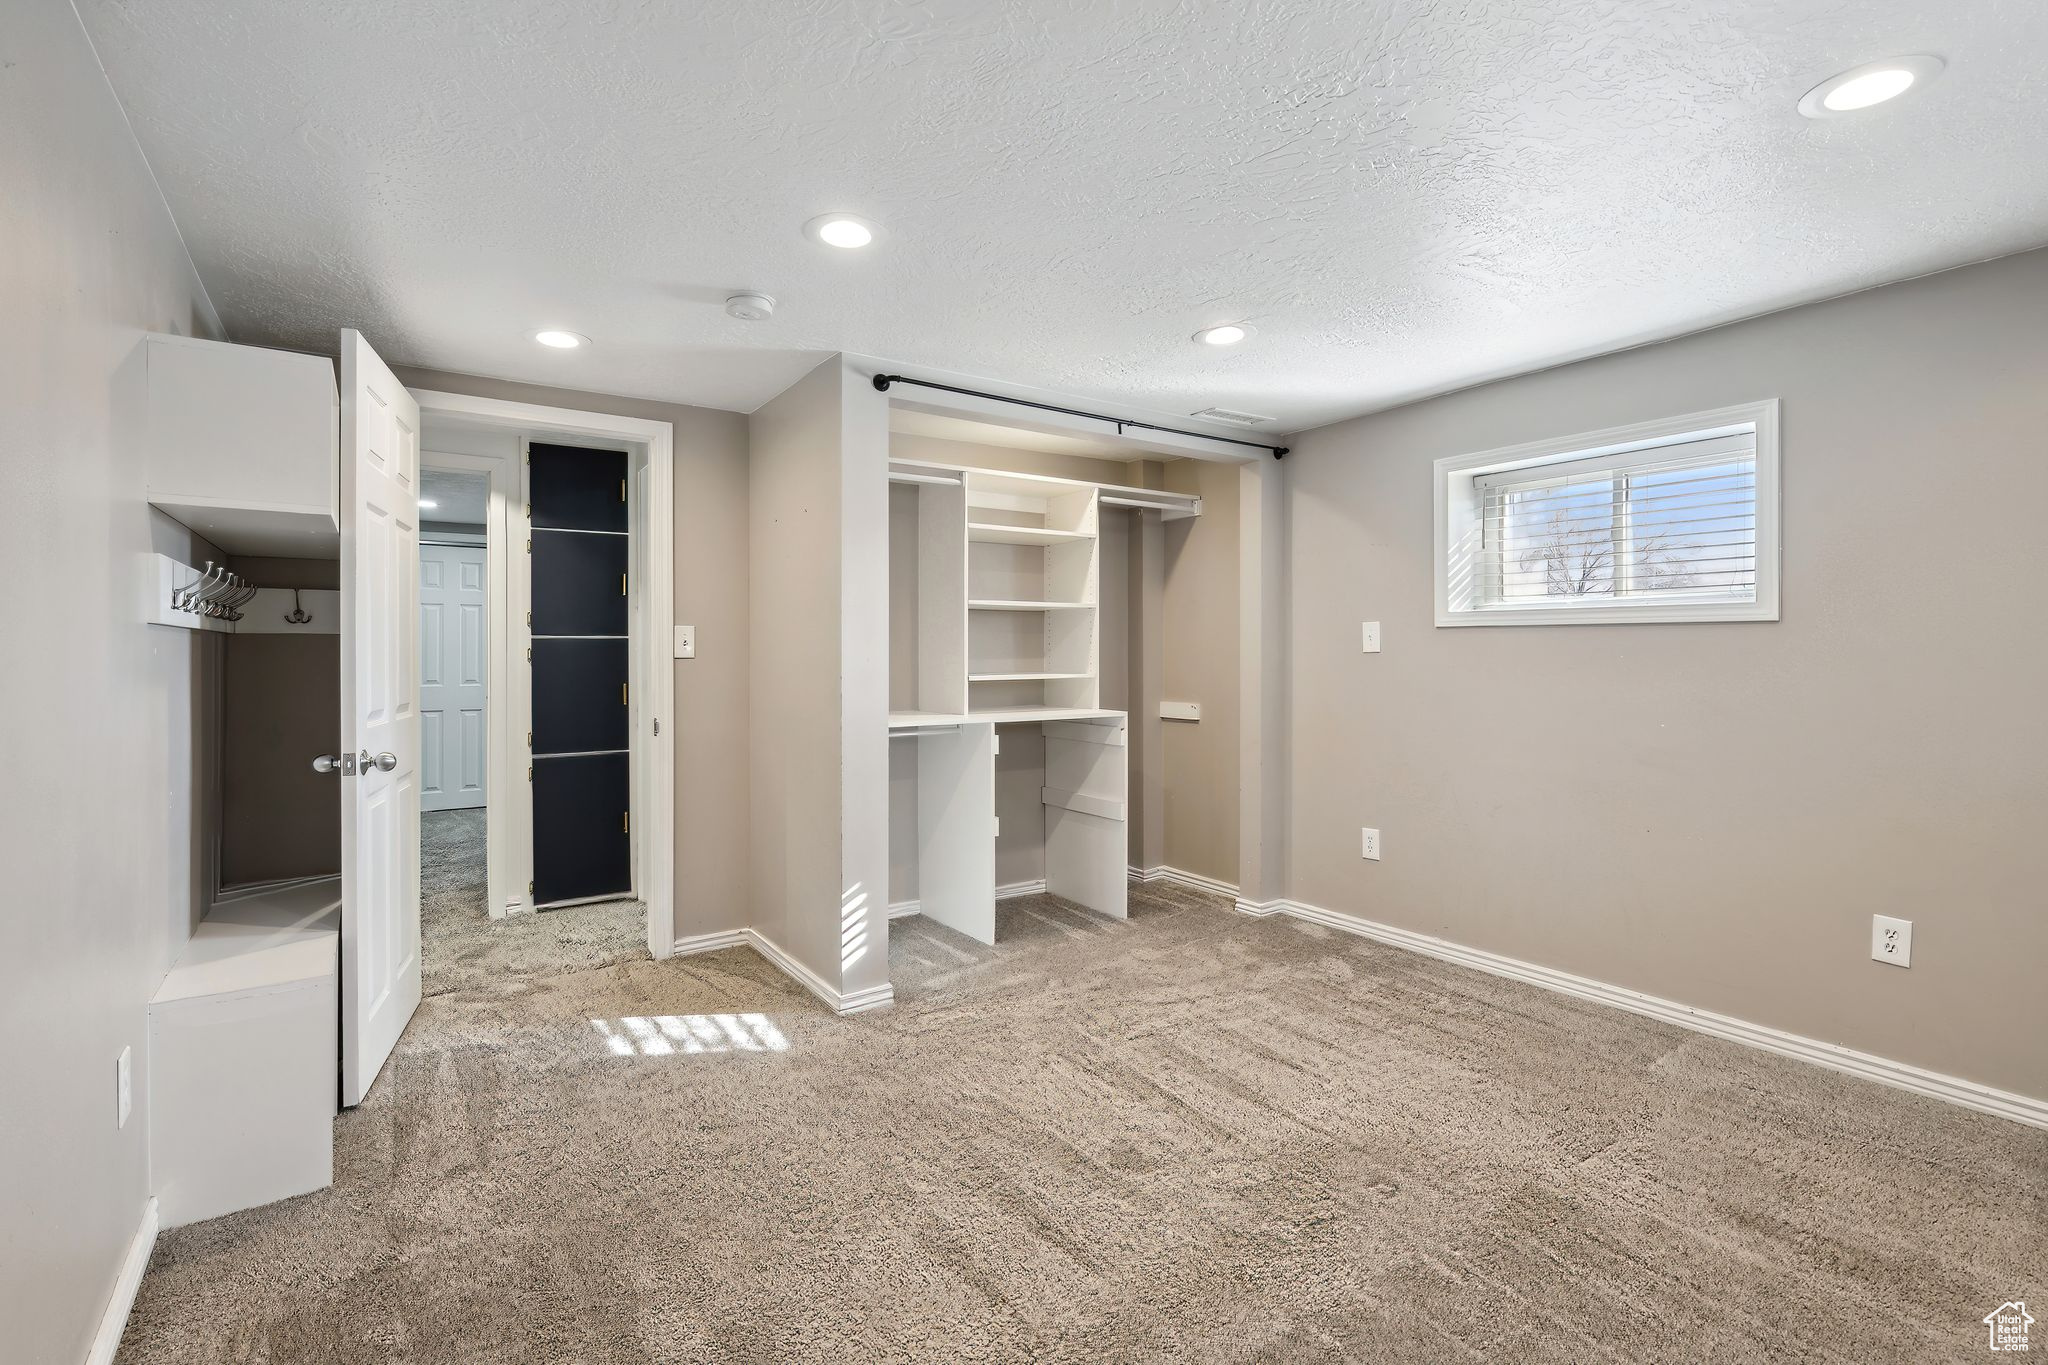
1236, 419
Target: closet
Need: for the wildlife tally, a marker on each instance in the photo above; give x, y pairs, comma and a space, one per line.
997, 579
579, 556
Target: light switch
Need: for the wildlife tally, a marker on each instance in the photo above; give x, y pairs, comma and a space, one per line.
1372, 637
686, 642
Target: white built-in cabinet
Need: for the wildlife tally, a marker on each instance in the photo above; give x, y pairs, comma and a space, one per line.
241, 445
1009, 633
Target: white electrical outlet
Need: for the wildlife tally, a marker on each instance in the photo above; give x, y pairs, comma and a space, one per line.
686, 642
123, 1088
1891, 940
1369, 844
1372, 637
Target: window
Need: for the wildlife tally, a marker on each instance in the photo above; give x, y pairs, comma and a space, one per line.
1664, 521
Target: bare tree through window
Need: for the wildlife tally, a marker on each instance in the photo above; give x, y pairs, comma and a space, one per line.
1576, 560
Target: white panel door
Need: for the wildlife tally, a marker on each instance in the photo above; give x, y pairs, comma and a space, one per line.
380, 719
454, 609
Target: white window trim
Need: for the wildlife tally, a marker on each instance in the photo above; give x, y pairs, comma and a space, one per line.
1455, 512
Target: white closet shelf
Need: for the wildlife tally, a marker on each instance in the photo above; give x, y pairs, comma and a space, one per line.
918, 720
1024, 677
1015, 604
1012, 715
1170, 506
991, 533
912, 721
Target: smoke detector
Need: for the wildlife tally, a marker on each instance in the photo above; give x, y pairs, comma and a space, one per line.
1235, 419
750, 307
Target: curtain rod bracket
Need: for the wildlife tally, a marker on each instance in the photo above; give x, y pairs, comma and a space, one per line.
883, 381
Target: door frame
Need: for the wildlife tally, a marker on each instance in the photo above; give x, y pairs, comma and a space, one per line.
651, 612
505, 890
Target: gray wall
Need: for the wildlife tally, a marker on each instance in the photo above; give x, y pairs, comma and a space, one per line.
796, 491
96, 827
711, 695
1199, 648
281, 705
1711, 813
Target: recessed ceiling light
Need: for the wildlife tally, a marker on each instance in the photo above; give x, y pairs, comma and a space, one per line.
560, 340
1229, 334
428, 502
844, 230
1869, 85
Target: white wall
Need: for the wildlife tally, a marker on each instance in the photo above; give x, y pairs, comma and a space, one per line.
96, 807
1711, 813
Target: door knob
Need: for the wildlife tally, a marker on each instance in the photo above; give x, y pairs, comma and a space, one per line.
327, 763
385, 761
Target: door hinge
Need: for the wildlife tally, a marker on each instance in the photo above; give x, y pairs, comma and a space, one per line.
529, 772
622, 585
657, 725
529, 654
622, 490
625, 822
529, 618
529, 739
529, 511
529, 545
622, 695
529, 888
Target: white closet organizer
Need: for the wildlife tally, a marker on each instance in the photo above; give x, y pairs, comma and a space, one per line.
1009, 634
242, 448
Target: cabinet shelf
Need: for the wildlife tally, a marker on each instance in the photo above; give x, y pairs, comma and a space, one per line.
1013, 604
990, 533
1024, 677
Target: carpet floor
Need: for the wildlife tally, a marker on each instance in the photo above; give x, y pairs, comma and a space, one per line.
463, 949
1191, 1136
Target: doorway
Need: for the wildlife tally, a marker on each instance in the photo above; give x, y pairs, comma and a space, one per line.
455, 630
456, 641
532, 667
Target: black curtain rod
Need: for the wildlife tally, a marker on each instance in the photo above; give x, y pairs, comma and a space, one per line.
883, 381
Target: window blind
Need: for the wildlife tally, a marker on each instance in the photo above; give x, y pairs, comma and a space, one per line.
1674, 521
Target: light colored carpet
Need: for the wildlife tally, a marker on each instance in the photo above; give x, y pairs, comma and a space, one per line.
1194, 1136
463, 949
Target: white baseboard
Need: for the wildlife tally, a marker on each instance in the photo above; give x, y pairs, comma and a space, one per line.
874, 997
710, 943
840, 1003
1194, 881
901, 909
1013, 889
1933, 1084
1260, 908
114, 1321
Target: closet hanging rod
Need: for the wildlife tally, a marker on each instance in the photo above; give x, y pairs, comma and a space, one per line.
883, 381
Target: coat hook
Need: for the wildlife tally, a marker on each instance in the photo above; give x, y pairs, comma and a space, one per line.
298, 615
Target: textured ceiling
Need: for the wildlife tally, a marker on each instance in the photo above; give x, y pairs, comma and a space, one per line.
459, 498
1403, 196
